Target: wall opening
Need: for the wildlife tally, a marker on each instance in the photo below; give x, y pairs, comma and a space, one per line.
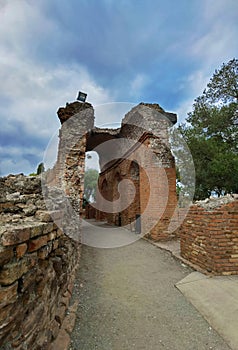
135, 209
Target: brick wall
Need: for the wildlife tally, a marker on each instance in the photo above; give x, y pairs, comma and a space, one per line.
209, 236
155, 188
37, 265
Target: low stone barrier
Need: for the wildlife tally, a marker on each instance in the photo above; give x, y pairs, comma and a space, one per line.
37, 265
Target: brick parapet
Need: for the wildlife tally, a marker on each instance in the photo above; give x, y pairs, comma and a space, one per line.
209, 238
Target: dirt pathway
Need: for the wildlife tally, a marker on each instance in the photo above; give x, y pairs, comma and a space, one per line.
128, 301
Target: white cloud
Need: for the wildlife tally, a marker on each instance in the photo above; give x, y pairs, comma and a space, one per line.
195, 83
36, 94
218, 43
13, 160
92, 161
220, 9
215, 46
138, 84
110, 115
31, 91
22, 22
10, 166
37, 90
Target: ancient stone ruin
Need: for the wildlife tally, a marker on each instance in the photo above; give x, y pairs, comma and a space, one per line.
139, 152
40, 217
37, 266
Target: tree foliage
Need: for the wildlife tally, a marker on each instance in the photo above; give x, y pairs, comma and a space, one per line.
223, 86
212, 133
40, 168
90, 184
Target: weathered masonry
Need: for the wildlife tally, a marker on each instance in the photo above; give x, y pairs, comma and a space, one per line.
209, 235
37, 265
140, 153
40, 217
135, 160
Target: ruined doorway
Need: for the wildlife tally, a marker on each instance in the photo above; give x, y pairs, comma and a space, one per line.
135, 210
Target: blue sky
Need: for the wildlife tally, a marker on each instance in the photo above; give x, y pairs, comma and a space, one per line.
115, 50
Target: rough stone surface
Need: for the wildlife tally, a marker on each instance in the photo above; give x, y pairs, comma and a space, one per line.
37, 259
37, 266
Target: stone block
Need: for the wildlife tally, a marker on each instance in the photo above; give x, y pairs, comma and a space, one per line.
8, 295
55, 327
15, 235
13, 271
60, 233
52, 235
21, 250
69, 322
37, 243
62, 342
43, 215
45, 251
5, 315
36, 229
49, 227
6, 254
28, 280
55, 244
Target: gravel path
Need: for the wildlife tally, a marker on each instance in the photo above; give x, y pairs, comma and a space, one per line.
128, 301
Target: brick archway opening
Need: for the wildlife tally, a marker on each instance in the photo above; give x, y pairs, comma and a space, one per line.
145, 127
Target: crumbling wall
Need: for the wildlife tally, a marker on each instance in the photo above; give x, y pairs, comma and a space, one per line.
209, 235
39, 216
144, 141
37, 265
77, 120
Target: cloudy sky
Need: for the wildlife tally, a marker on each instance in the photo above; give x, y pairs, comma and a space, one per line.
115, 50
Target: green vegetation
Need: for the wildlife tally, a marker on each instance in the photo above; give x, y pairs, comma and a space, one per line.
212, 133
40, 169
90, 184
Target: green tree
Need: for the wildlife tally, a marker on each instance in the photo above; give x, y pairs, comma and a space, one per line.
40, 168
212, 133
223, 86
90, 184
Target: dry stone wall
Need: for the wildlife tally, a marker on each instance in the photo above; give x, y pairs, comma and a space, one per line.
37, 264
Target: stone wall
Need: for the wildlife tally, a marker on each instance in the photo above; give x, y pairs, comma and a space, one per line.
209, 235
37, 264
77, 120
144, 145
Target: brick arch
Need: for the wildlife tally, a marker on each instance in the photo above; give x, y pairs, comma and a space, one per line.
116, 157
117, 179
134, 210
104, 188
134, 170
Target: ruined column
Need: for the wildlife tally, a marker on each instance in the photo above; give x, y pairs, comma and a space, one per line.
65, 191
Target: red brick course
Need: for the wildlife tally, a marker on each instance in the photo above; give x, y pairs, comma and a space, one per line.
155, 190
209, 238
